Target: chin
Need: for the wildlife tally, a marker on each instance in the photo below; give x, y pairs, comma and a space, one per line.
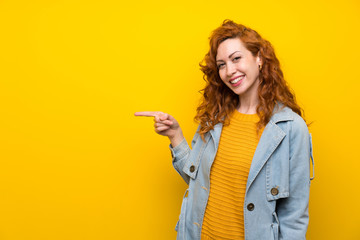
238, 92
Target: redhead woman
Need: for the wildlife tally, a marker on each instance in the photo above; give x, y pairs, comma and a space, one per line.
248, 172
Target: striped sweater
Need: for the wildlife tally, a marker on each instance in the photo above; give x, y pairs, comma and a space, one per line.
224, 211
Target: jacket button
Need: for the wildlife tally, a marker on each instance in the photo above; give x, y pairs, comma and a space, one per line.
192, 168
274, 191
250, 207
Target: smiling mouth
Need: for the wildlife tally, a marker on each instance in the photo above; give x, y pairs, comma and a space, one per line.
238, 79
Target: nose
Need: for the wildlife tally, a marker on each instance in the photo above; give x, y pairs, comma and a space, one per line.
230, 69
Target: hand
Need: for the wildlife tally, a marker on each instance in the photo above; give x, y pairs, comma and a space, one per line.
165, 125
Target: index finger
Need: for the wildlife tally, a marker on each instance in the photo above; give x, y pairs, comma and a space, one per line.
146, 114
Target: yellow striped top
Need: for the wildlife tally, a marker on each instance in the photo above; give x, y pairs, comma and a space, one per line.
224, 215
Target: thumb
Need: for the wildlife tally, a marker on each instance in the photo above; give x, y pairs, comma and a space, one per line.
164, 116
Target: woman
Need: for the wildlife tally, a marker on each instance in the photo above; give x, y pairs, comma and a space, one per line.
248, 171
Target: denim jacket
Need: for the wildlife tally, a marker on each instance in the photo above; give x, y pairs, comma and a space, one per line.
277, 190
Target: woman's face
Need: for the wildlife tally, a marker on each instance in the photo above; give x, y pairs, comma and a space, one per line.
238, 68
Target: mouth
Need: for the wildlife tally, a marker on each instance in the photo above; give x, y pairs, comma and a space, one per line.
237, 80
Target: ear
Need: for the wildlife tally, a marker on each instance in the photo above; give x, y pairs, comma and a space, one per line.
258, 59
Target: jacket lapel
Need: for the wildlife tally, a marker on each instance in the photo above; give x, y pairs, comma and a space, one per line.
215, 134
269, 141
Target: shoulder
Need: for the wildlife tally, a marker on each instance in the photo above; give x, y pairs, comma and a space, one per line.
298, 125
296, 129
292, 124
285, 114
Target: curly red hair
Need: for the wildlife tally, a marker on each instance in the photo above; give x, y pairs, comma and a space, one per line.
219, 101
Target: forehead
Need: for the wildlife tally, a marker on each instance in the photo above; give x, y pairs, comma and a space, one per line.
230, 46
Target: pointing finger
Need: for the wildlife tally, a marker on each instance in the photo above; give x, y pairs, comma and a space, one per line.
146, 114
149, 114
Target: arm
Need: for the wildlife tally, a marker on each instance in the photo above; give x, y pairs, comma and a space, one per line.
180, 154
166, 125
293, 211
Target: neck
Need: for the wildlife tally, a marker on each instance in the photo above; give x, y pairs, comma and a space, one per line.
248, 105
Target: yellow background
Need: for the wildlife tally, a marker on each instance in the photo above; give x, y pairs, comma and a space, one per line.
74, 161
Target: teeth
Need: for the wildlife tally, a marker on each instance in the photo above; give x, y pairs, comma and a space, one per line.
236, 80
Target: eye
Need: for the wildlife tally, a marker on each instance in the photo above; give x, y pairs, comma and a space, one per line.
221, 65
236, 59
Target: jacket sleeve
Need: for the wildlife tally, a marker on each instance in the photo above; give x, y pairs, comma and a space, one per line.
181, 153
292, 211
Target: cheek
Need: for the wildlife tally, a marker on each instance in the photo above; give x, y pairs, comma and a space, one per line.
222, 75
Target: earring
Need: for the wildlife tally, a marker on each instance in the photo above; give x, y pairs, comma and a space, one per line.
260, 67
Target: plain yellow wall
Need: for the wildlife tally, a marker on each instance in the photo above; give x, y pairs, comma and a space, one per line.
74, 161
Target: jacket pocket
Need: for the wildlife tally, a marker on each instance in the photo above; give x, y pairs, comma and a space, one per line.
180, 225
277, 183
277, 176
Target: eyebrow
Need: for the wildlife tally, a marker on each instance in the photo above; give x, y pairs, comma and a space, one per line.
229, 56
